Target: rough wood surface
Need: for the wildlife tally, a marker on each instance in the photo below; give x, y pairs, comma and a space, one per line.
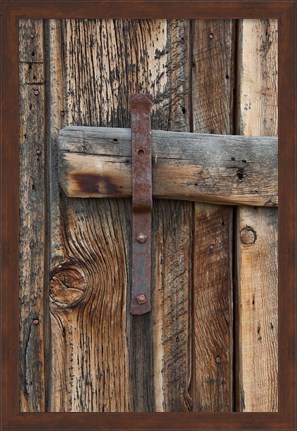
212, 93
96, 162
89, 368
213, 308
32, 216
102, 358
257, 228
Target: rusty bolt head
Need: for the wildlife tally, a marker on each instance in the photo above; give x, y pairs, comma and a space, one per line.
248, 235
141, 238
141, 299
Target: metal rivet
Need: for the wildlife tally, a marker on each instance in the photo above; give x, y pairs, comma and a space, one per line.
36, 92
141, 299
141, 238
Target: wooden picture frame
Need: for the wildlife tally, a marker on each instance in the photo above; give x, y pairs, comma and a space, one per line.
285, 12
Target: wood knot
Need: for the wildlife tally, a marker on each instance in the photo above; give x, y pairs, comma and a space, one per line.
67, 287
248, 235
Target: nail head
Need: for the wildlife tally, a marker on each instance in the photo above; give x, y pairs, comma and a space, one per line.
141, 238
141, 299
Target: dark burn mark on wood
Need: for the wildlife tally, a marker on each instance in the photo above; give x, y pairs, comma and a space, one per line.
92, 183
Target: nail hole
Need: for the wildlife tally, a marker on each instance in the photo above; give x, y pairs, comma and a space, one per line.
233, 159
115, 140
243, 161
240, 173
140, 152
33, 53
227, 76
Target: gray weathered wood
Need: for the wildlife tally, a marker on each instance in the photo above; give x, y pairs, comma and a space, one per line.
212, 94
257, 231
32, 227
96, 162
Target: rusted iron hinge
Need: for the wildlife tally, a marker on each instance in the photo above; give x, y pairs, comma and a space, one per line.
140, 105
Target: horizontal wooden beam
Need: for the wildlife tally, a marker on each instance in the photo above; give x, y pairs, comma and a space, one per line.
95, 162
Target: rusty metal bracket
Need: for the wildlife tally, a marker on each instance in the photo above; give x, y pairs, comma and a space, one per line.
142, 202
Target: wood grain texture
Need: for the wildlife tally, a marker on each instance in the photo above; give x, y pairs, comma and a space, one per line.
172, 328
89, 368
213, 308
257, 263
172, 241
32, 246
96, 162
212, 93
102, 358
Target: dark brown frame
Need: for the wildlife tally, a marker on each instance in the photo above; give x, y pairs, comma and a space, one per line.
285, 12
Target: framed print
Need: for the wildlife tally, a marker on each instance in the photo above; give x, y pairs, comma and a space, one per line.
148, 191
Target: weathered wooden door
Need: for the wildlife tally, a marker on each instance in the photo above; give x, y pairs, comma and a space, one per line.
210, 342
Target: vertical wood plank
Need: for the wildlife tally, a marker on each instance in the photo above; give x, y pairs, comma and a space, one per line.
89, 366
257, 228
32, 215
102, 358
213, 85
172, 240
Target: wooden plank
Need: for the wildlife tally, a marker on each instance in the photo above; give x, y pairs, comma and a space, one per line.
257, 228
96, 162
172, 241
103, 358
213, 308
32, 216
213, 83
89, 369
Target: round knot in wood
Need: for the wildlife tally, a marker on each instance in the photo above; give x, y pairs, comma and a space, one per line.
67, 287
248, 235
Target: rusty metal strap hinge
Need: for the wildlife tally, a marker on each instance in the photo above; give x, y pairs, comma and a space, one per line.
140, 105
